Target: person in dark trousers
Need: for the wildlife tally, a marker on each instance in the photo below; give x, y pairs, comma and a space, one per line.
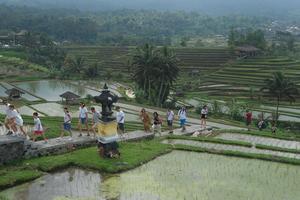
157, 122
83, 119
204, 113
248, 118
170, 119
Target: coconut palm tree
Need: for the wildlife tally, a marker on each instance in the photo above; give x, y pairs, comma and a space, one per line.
168, 72
280, 88
76, 64
154, 72
144, 63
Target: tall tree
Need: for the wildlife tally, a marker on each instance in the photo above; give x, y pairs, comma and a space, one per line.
144, 61
76, 64
168, 72
155, 71
280, 88
231, 38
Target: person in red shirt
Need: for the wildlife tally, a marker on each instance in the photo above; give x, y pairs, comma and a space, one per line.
248, 117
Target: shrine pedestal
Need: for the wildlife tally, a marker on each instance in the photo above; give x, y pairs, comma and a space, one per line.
107, 139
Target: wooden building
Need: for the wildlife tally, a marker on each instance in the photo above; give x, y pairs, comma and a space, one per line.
247, 51
14, 93
70, 97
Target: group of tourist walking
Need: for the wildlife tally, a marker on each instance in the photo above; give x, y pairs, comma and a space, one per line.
83, 121
14, 122
170, 117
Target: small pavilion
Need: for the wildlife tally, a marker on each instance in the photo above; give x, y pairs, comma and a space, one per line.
70, 97
14, 93
247, 51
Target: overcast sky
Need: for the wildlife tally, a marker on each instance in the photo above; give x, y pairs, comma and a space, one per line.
208, 6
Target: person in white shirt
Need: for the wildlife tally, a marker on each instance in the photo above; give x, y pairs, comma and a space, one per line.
170, 118
120, 121
95, 120
204, 113
83, 119
182, 115
38, 128
66, 125
8, 119
17, 121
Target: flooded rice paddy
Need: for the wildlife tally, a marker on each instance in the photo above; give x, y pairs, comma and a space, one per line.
51, 89
178, 175
6, 86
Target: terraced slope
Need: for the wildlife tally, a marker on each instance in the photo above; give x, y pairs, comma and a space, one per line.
116, 58
237, 78
17, 67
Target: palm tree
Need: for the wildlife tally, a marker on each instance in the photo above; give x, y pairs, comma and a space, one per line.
144, 62
168, 72
76, 64
155, 72
280, 88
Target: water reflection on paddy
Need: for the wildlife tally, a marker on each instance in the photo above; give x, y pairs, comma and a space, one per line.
9, 86
178, 175
51, 89
2, 91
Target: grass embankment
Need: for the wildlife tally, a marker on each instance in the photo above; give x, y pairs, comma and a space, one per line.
238, 154
273, 148
13, 175
236, 143
282, 135
133, 154
210, 140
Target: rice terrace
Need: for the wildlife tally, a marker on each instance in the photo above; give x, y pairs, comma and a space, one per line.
149, 100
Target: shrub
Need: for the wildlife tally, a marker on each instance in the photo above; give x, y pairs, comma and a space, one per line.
170, 103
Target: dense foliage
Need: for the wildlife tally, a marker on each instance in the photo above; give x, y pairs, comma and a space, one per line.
59, 24
41, 50
155, 71
121, 27
254, 38
280, 87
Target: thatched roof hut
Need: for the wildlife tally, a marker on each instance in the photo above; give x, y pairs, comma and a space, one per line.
14, 93
69, 97
247, 51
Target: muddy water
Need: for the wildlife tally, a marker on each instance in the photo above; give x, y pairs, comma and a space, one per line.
51, 89
178, 175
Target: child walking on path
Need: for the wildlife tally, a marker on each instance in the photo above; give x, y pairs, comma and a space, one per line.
67, 124
38, 128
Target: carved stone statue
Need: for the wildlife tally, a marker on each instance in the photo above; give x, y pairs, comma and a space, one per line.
107, 99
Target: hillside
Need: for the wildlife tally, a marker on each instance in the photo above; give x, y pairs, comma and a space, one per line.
13, 65
116, 58
216, 72
239, 78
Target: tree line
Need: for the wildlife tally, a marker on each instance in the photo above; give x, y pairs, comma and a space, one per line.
121, 27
